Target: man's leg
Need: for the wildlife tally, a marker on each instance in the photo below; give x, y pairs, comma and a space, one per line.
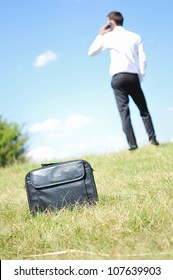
122, 101
139, 99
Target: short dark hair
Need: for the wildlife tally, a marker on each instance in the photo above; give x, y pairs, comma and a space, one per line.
117, 17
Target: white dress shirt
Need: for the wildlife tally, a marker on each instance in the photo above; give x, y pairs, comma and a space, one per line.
126, 51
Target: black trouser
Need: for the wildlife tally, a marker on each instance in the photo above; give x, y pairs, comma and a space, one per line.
125, 84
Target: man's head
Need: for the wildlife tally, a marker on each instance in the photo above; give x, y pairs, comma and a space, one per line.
116, 18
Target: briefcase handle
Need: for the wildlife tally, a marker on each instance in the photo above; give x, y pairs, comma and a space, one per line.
49, 164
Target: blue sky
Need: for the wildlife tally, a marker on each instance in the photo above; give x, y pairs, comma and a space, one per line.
61, 95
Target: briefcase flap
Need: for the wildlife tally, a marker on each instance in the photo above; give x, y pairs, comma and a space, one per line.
57, 174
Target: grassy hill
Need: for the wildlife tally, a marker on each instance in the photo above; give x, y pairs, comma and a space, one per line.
132, 220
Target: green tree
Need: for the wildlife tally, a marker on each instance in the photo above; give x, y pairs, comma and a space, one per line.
12, 142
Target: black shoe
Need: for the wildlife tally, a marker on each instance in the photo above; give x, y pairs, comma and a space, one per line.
154, 142
132, 148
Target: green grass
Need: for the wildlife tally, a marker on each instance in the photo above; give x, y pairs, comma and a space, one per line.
132, 220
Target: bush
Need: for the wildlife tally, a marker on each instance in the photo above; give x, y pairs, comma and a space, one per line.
12, 142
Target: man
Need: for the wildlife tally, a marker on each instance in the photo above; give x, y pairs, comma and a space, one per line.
127, 68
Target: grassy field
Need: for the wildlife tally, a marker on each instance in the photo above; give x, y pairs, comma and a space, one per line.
132, 220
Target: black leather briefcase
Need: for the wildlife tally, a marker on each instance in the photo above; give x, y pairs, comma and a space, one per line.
58, 185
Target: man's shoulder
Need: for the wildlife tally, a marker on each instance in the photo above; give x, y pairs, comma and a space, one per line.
133, 34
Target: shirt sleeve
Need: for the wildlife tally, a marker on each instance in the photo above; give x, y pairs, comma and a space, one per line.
142, 60
97, 46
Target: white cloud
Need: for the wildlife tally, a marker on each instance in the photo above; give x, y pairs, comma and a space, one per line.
41, 154
45, 58
44, 126
105, 144
77, 121
72, 122
76, 148
55, 139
